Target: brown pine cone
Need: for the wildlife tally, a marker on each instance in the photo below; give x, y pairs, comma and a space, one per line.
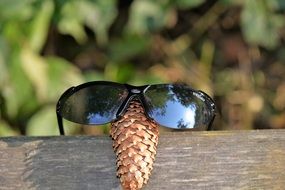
135, 139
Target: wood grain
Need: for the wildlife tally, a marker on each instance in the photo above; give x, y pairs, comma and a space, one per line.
185, 160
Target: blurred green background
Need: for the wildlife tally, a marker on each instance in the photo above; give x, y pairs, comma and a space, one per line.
231, 49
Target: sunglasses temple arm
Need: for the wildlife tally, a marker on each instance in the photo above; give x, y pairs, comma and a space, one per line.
60, 124
210, 126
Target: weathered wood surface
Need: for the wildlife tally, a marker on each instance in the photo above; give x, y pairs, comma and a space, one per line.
185, 160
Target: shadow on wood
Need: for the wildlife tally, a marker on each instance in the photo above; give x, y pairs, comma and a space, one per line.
185, 160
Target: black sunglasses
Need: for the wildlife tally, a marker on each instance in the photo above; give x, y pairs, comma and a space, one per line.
174, 106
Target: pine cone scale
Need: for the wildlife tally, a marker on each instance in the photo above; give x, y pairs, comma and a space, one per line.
135, 138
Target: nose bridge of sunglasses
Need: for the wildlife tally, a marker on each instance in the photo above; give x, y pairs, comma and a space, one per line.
135, 91
135, 94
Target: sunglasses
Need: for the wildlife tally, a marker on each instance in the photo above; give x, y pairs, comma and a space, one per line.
175, 106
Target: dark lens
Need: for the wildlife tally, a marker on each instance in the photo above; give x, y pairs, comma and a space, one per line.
96, 104
178, 106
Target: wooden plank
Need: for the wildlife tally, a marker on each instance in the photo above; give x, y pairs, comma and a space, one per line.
185, 160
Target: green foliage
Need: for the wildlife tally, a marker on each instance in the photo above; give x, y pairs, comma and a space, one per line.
47, 46
97, 15
43, 122
185, 4
261, 24
40, 25
5, 130
135, 44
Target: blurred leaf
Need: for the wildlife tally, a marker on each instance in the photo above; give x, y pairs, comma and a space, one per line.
6, 130
147, 16
11, 33
43, 123
60, 76
3, 67
15, 9
120, 72
97, 15
71, 21
93, 75
231, 2
260, 25
142, 78
226, 81
50, 76
185, 4
128, 47
40, 25
125, 73
18, 90
36, 69
276, 4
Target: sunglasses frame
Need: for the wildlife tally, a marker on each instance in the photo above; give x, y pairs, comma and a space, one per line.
134, 92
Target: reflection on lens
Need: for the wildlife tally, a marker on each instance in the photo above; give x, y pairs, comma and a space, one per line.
178, 106
97, 104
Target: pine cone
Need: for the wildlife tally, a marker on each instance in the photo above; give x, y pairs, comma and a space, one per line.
135, 139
